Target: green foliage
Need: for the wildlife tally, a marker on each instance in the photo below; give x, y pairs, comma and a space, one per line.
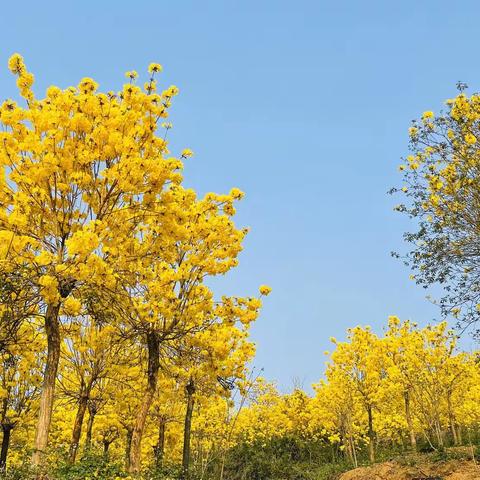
283, 458
22, 472
279, 459
93, 466
328, 471
168, 471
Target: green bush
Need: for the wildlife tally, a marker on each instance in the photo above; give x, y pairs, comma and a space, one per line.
283, 459
91, 466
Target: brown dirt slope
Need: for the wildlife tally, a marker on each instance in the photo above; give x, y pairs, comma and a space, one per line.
449, 470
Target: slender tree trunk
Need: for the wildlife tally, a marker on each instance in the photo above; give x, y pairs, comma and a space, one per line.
451, 419
454, 433
352, 441
160, 446
77, 426
459, 433
190, 390
354, 450
345, 441
371, 436
438, 432
128, 447
52, 329
106, 446
153, 345
7, 429
92, 411
408, 415
347, 449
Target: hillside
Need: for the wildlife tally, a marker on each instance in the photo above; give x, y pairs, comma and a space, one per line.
419, 468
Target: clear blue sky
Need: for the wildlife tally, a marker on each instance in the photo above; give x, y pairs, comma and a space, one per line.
305, 106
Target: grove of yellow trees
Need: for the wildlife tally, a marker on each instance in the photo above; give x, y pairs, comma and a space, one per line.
114, 347
104, 257
409, 386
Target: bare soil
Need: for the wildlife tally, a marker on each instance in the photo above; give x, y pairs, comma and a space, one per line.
445, 470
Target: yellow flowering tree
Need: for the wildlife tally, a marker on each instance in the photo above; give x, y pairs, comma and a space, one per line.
214, 361
81, 170
20, 375
191, 239
91, 353
440, 188
359, 361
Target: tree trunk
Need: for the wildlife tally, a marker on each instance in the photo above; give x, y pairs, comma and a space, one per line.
6, 428
160, 446
371, 436
451, 419
128, 447
351, 441
153, 345
438, 433
106, 446
344, 440
190, 390
354, 450
408, 415
347, 449
92, 411
454, 432
52, 329
77, 426
459, 434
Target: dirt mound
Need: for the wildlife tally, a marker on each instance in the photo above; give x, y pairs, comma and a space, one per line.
451, 470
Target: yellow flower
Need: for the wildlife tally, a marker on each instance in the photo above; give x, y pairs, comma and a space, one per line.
150, 86
44, 258
48, 281
236, 193
154, 67
132, 74
87, 85
16, 64
25, 80
72, 306
265, 290
427, 115
171, 91
470, 138
50, 288
82, 243
186, 153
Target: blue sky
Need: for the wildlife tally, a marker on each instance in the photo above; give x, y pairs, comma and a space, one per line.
305, 106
